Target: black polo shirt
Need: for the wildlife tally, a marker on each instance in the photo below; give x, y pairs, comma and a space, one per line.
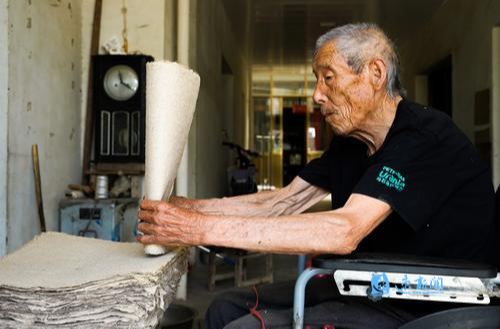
430, 174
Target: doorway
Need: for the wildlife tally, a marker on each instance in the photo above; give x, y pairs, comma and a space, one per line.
294, 137
439, 86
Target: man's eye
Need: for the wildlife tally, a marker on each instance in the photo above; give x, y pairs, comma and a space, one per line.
328, 77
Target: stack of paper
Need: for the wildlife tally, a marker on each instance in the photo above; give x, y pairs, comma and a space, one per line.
64, 281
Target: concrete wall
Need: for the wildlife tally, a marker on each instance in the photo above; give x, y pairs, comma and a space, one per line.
463, 29
44, 108
215, 39
4, 78
46, 69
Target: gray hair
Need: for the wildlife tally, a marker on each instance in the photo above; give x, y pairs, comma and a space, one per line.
360, 42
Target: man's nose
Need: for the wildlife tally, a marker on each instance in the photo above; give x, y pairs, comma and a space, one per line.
318, 96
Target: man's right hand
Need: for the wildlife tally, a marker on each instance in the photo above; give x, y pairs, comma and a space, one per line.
183, 202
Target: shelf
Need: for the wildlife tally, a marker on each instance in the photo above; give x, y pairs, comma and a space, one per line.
117, 168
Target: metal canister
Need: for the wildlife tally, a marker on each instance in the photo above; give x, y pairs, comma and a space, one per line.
101, 187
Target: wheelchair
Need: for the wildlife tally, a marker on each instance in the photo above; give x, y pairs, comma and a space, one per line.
455, 282
397, 276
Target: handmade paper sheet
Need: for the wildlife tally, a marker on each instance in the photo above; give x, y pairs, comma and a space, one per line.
171, 94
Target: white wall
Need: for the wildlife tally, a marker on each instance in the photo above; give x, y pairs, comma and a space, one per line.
44, 108
4, 76
45, 67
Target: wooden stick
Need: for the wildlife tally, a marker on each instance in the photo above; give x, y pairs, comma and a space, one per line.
89, 122
38, 185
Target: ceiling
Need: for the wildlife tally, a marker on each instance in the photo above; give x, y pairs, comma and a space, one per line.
283, 32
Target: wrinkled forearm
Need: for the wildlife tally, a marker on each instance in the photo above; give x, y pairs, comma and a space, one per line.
249, 205
327, 232
293, 199
338, 231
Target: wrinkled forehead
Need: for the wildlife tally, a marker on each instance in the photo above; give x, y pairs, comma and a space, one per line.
327, 56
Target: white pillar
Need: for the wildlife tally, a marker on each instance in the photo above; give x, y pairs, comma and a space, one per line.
182, 181
4, 110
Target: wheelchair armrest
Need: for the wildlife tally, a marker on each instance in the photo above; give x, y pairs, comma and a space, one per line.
410, 264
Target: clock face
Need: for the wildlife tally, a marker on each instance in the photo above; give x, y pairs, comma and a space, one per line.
121, 82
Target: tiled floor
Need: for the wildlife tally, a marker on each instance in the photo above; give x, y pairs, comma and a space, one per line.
198, 296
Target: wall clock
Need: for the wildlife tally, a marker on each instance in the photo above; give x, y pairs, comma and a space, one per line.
119, 105
121, 82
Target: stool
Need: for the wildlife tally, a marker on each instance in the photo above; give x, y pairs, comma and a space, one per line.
213, 276
240, 269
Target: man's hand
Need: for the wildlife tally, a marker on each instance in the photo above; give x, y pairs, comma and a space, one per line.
204, 206
183, 202
166, 224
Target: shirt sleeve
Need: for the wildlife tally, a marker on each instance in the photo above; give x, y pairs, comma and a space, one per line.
316, 172
413, 175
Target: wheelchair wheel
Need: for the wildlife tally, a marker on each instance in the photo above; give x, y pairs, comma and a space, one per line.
474, 317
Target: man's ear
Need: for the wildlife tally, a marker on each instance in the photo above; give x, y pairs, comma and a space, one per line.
378, 74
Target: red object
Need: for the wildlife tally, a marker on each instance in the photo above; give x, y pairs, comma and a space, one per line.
254, 311
299, 109
309, 265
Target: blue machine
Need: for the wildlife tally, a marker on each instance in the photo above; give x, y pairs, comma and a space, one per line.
100, 218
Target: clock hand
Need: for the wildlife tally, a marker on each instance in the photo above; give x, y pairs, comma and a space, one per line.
127, 85
120, 76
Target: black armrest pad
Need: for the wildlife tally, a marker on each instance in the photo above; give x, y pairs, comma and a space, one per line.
408, 264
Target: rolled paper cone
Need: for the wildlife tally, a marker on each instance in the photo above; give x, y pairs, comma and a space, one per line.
171, 94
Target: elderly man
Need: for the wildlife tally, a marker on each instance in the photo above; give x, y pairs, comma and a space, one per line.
403, 179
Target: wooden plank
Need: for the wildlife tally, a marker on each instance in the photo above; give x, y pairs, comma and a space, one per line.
116, 168
38, 186
89, 122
